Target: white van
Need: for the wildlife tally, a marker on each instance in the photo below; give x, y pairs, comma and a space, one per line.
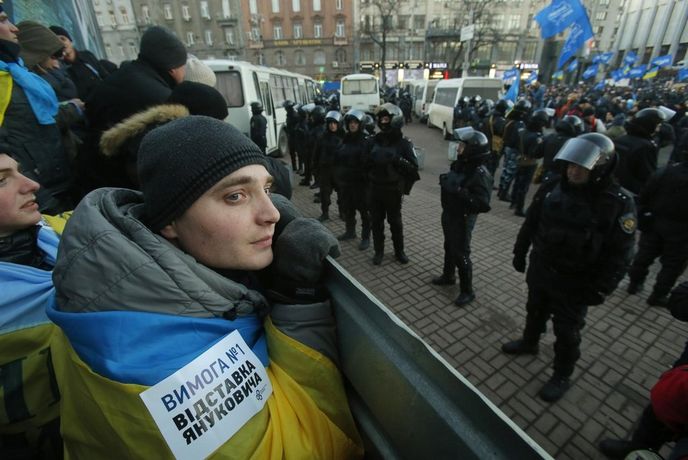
422, 97
448, 93
359, 91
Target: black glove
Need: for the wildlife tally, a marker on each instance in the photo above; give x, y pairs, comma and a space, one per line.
591, 297
519, 263
295, 275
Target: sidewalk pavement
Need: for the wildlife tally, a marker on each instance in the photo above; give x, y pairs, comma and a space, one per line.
626, 344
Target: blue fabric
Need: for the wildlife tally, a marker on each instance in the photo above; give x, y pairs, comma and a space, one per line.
145, 348
591, 71
599, 86
573, 66
512, 94
580, 32
603, 58
637, 72
510, 73
559, 15
682, 75
630, 58
662, 61
27, 290
532, 77
40, 94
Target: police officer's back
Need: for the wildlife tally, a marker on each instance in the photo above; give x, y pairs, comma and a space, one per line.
259, 125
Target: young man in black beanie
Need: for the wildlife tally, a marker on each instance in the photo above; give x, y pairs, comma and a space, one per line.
201, 253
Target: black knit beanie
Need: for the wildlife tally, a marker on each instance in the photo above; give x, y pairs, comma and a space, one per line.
200, 99
57, 30
162, 49
181, 160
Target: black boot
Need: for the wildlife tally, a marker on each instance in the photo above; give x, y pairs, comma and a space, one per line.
503, 195
443, 280
466, 280
618, 448
364, 244
324, 216
519, 213
658, 300
377, 258
401, 256
634, 287
520, 347
555, 388
464, 299
347, 235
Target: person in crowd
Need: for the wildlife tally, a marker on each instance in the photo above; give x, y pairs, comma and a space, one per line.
581, 230
28, 125
536, 94
592, 123
406, 105
136, 86
530, 150
616, 127
199, 72
83, 67
259, 126
350, 177
29, 419
465, 192
201, 252
494, 130
663, 219
326, 151
290, 128
315, 130
637, 151
392, 169
515, 122
567, 128
665, 419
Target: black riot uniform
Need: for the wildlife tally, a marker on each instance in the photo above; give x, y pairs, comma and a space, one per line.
259, 125
512, 141
326, 151
581, 230
567, 128
493, 128
314, 130
392, 168
465, 192
290, 129
663, 214
351, 180
530, 149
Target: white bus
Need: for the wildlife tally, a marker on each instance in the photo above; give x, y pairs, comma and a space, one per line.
423, 91
359, 91
447, 95
242, 83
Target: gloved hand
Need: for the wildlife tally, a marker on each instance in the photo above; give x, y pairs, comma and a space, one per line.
287, 210
404, 164
592, 297
295, 274
519, 263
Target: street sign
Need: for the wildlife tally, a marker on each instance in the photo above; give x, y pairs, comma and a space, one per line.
467, 32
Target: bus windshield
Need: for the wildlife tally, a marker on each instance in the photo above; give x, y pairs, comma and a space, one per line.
359, 86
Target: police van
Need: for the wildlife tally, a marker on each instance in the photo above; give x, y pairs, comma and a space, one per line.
359, 91
423, 92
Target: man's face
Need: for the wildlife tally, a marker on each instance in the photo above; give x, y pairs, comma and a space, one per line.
18, 207
353, 126
577, 175
8, 31
333, 126
178, 73
69, 51
231, 225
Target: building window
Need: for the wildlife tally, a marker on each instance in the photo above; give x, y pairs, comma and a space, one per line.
277, 31
601, 16
108, 51
186, 14
498, 21
604, 2
419, 21
167, 11
255, 33
299, 57
145, 13
190, 38
340, 55
252, 7
338, 4
280, 58
209, 37
260, 58
133, 52
229, 36
124, 14
226, 11
296, 5
316, 5
319, 57
113, 18
515, 21
317, 30
99, 18
402, 22
121, 50
275, 6
339, 30
297, 30
205, 11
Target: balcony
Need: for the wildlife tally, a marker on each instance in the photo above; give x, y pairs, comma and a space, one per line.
255, 44
439, 32
340, 41
223, 20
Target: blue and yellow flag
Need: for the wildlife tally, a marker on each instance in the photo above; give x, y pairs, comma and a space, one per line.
652, 73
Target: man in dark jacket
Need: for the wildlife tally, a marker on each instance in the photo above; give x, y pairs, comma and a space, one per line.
582, 234
326, 151
494, 130
663, 213
515, 122
259, 126
140, 84
465, 192
530, 149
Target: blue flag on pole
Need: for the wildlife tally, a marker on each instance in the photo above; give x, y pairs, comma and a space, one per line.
558, 15
630, 58
590, 72
532, 77
510, 73
558, 75
637, 72
682, 75
617, 74
603, 58
573, 66
599, 86
662, 61
512, 94
579, 33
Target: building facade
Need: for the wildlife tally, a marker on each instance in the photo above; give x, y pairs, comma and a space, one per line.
117, 25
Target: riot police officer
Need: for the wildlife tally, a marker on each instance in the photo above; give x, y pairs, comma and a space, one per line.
290, 129
581, 230
326, 151
514, 123
567, 128
259, 125
465, 192
392, 168
494, 130
530, 149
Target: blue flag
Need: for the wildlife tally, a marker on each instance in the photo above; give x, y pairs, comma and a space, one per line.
662, 61
580, 32
558, 75
599, 86
559, 15
630, 58
617, 74
603, 58
512, 94
590, 72
682, 75
573, 66
532, 77
637, 72
510, 73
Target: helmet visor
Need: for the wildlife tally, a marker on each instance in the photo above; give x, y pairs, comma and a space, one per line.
579, 151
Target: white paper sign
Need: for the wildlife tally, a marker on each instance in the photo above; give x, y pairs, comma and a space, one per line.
202, 405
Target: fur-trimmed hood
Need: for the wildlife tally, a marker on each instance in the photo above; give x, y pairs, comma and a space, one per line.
117, 140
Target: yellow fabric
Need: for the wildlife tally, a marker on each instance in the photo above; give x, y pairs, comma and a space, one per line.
307, 416
5, 94
28, 395
59, 221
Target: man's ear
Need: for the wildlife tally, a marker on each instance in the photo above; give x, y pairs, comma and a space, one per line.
169, 231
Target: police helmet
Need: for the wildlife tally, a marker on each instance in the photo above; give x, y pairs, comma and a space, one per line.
539, 119
256, 107
354, 114
396, 116
576, 123
592, 151
288, 104
333, 116
645, 121
318, 114
308, 108
502, 106
475, 143
369, 124
522, 105
475, 100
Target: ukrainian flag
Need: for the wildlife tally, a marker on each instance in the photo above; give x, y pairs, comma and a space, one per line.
104, 360
652, 73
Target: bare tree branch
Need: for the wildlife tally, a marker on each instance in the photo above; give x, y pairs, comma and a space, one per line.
378, 33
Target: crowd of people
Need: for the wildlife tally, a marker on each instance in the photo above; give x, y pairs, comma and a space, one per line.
176, 237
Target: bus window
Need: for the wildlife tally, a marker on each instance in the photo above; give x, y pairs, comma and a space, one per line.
302, 93
229, 84
485, 93
310, 88
359, 86
446, 96
265, 92
257, 87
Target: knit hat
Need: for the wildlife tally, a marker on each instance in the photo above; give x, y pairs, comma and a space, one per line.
200, 99
162, 49
181, 160
198, 71
669, 398
37, 43
57, 30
